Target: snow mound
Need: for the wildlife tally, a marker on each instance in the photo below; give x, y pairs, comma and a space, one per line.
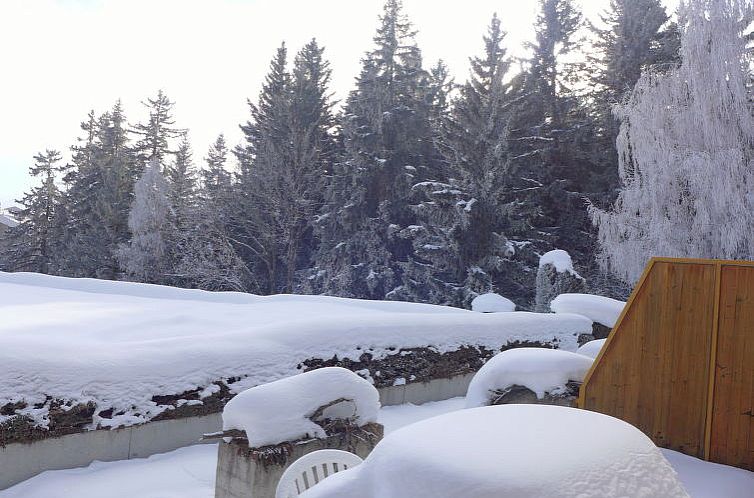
118, 344
492, 303
560, 259
538, 369
592, 348
516, 451
280, 411
599, 309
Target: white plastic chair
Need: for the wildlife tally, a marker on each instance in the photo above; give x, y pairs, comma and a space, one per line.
312, 468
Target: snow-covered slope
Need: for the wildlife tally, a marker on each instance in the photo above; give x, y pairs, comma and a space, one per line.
119, 344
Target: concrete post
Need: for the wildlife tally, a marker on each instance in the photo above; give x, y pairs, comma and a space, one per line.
244, 472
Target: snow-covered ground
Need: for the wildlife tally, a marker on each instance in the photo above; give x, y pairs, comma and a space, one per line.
190, 472
118, 344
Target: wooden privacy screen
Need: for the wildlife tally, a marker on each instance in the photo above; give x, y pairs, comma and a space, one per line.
679, 363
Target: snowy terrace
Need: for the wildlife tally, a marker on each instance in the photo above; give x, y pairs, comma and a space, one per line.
99, 354
190, 472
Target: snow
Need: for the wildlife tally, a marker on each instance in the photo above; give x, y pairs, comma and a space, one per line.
492, 303
117, 344
538, 369
515, 451
560, 259
279, 411
599, 309
184, 473
592, 348
711, 480
190, 472
7, 221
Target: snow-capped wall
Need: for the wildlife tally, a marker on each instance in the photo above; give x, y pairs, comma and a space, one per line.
120, 346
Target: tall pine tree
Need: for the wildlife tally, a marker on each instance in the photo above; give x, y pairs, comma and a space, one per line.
388, 145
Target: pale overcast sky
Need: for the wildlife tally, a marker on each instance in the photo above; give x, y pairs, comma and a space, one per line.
61, 58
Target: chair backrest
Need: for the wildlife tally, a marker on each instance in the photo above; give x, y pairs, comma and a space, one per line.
312, 468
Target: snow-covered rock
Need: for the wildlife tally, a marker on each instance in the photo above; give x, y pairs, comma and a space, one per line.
599, 309
537, 369
556, 275
118, 344
492, 303
281, 411
516, 451
592, 348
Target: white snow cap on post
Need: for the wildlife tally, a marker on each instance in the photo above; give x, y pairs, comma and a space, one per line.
560, 259
538, 369
279, 411
492, 303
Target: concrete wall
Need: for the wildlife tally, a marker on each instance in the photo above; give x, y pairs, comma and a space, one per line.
20, 461
239, 476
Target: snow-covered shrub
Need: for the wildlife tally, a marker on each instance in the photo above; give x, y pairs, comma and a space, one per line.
555, 276
492, 303
287, 409
603, 311
537, 369
592, 348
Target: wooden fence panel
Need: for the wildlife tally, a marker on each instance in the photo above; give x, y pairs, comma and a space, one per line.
654, 369
732, 425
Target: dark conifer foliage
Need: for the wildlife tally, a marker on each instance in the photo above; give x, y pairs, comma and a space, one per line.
388, 146
417, 188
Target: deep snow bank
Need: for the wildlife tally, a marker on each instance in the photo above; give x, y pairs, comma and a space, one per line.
120, 346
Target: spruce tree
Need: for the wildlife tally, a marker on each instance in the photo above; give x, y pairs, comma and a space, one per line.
155, 135
284, 160
466, 211
34, 244
216, 179
388, 144
636, 35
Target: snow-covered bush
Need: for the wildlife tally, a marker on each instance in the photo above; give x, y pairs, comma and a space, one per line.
537, 369
555, 276
492, 303
514, 451
603, 310
592, 348
287, 409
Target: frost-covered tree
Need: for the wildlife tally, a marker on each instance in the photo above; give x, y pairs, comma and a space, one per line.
147, 258
686, 150
632, 35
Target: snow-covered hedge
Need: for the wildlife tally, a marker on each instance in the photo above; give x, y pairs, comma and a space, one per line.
117, 348
538, 369
599, 309
492, 303
281, 411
